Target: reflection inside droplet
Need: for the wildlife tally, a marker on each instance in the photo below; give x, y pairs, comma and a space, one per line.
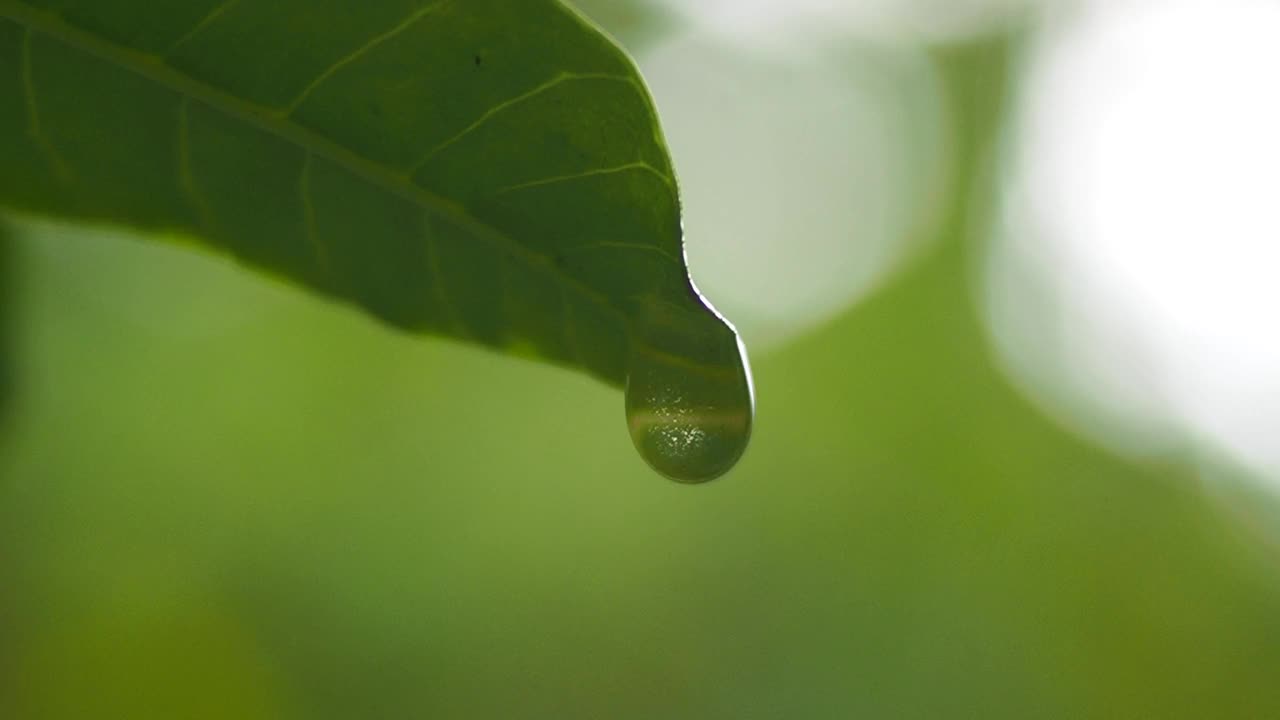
689, 414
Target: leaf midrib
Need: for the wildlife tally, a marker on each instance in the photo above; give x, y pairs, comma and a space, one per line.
154, 68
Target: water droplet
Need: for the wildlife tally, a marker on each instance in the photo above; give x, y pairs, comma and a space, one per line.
689, 400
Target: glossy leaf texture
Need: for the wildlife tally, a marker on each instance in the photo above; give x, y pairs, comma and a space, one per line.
482, 169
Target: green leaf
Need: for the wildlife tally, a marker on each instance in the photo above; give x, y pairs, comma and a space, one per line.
637, 24
481, 169
6, 318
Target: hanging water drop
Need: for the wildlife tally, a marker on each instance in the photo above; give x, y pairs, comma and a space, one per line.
689, 412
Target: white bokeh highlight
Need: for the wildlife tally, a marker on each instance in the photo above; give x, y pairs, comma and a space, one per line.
1136, 282
805, 181
793, 26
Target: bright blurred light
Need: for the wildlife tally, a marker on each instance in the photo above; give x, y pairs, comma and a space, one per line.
805, 181
807, 23
1139, 270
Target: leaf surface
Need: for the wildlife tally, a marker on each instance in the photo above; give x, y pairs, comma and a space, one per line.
481, 169
6, 319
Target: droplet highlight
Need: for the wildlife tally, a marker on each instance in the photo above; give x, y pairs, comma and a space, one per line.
689, 401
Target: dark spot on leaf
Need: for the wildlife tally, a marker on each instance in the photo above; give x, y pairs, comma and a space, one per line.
478, 61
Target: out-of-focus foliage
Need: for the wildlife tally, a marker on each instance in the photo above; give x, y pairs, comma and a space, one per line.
222, 499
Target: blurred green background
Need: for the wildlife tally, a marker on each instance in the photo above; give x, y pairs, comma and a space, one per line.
220, 497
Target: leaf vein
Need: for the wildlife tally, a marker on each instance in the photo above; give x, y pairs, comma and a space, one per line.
437, 277
35, 129
186, 179
616, 245
637, 165
360, 52
510, 102
200, 27
571, 339
318, 245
